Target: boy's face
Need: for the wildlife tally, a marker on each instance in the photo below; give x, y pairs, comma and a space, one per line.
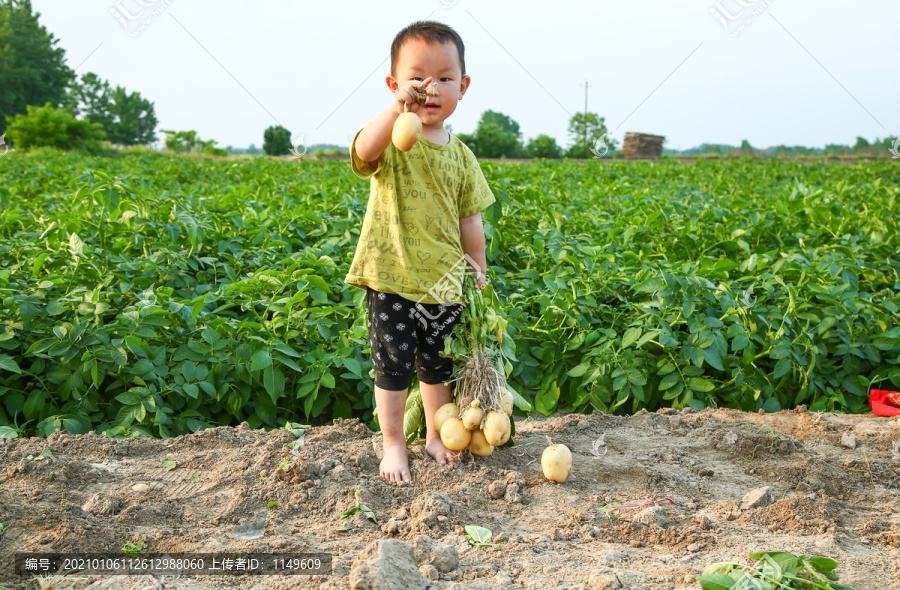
417, 61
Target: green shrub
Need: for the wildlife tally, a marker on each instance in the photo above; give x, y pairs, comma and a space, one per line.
49, 126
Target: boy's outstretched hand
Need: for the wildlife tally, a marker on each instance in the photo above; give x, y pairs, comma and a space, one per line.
406, 98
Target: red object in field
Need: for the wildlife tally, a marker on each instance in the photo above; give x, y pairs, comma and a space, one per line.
885, 403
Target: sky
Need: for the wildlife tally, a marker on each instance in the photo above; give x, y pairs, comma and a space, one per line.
696, 71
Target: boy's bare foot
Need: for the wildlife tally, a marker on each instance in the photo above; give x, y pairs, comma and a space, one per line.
435, 447
395, 464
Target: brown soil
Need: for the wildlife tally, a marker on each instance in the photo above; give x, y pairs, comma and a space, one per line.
826, 498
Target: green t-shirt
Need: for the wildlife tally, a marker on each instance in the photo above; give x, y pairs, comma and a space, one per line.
410, 243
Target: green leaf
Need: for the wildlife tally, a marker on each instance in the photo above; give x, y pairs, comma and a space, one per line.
716, 582
519, 400
740, 342
669, 380
169, 464
9, 364
579, 370
478, 535
327, 380
631, 336
260, 360
822, 564
700, 384
782, 368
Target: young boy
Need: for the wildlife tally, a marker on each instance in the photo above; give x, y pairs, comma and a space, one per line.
422, 229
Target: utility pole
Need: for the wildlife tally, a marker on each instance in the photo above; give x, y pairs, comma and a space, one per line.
585, 111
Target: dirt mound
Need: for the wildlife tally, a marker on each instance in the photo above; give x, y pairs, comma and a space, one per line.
652, 500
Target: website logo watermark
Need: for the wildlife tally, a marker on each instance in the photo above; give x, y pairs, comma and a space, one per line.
600, 148
136, 15
895, 150
448, 3
748, 299
447, 289
5, 147
296, 144
736, 15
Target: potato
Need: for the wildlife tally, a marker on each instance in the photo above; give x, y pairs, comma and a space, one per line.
454, 435
472, 416
407, 129
496, 428
479, 445
506, 402
444, 413
556, 461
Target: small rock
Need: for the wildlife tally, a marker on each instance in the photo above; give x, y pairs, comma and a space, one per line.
424, 545
429, 571
503, 580
757, 498
611, 556
386, 565
848, 440
636, 544
500, 538
445, 558
140, 487
694, 547
562, 534
497, 489
604, 581
513, 495
391, 527
730, 439
654, 515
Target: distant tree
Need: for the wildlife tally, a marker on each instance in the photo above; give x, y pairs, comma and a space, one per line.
585, 129
497, 135
127, 118
543, 146
32, 70
182, 141
746, 149
277, 141
50, 126
469, 140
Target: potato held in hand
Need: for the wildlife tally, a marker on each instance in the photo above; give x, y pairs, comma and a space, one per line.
407, 129
556, 461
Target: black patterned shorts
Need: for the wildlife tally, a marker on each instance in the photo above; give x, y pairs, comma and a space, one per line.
404, 335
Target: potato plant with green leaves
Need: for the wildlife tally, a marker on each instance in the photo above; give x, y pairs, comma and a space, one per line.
159, 295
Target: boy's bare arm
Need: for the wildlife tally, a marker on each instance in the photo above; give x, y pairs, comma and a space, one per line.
376, 135
471, 235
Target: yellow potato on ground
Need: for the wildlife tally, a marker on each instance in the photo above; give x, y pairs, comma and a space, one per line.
556, 462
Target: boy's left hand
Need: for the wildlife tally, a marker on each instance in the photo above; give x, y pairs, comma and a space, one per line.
480, 281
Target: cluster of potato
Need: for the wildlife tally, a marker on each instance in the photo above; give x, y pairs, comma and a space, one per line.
473, 428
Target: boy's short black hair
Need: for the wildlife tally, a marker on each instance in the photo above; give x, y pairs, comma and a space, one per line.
431, 32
